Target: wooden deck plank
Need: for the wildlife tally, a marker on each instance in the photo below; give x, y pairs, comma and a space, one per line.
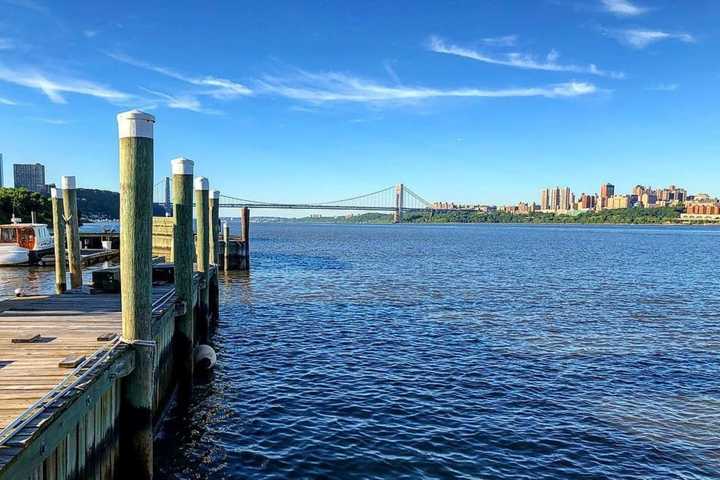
69, 324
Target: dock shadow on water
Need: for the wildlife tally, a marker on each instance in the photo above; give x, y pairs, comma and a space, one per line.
460, 352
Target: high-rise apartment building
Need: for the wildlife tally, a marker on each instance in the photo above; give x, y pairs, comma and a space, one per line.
555, 198
607, 190
545, 199
567, 199
586, 202
672, 194
30, 176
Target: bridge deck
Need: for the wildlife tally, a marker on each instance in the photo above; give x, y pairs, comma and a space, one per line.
68, 324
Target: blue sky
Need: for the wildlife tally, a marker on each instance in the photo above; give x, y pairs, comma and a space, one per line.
471, 101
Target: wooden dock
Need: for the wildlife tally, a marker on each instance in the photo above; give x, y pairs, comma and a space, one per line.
85, 374
64, 422
88, 257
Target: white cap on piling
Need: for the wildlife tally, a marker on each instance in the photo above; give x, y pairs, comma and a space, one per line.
135, 123
68, 183
215, 194
55, 192
201, 183
182, 166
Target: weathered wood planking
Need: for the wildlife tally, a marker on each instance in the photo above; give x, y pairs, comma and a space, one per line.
77, 434
69, 325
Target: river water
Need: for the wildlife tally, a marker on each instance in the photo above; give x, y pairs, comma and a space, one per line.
479, 351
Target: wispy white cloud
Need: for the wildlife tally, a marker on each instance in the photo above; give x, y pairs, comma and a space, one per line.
6, 44
29, 5
90, 33
54, 86
181, 102
337, 87
504, 41
219, 88
519, 60
639, 38
7, 101
664, 87
388, 65
622, 8
51, 121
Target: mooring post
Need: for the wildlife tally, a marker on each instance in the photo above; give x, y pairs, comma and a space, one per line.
203, 251
226, 246
182, 170
59, 240
73, 231
136, 206
246, 235
214, 225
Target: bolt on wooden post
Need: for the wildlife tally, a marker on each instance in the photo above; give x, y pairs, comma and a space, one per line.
73, 230
214, 225
59, 240
202, 244
135, 130
184, 248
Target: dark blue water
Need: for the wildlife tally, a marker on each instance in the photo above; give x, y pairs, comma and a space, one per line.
419, 352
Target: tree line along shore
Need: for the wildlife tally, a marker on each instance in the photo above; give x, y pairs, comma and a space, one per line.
639, 216
93, 204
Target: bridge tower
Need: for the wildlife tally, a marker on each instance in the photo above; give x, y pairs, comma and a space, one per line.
399, 195
168, 209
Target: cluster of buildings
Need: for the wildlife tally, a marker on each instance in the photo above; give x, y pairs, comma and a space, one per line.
563, 200
27, 175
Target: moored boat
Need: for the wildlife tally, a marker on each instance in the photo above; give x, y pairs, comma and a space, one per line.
24, 243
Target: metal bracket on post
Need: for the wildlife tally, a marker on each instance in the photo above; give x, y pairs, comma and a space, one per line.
151, 344
180, 308
123, 367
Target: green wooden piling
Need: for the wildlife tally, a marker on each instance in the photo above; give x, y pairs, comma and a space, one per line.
183, 246
246, 235
203, 249
226, 242
136, 192
214, 226
59, 240
73, 231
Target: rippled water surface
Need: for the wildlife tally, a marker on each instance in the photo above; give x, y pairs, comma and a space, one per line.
485, 351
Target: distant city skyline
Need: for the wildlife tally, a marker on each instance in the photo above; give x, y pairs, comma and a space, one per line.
476, 102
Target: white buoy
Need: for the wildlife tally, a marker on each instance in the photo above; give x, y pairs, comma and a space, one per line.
205, 357
19, 292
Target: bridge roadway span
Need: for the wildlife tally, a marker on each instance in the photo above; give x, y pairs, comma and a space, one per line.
307, 206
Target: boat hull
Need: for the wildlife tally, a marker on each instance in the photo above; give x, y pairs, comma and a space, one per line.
14, 255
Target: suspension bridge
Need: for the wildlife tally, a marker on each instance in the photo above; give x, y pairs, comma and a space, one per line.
396, 199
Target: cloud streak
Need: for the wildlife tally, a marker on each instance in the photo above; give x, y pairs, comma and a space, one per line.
639, 38
622, 8
518, 60
181, 102
6, 44
664, 87
219, 88
337, 87
54, 88
7, 101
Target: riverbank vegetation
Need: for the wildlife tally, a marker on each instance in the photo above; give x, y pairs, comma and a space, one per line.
620, 216
22, 203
